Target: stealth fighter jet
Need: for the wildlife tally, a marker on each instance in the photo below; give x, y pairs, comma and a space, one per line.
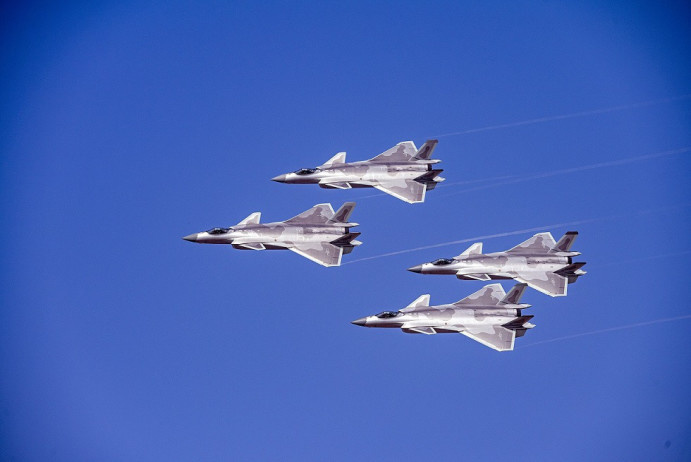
489, 316
318, 234
539, 262
402, 171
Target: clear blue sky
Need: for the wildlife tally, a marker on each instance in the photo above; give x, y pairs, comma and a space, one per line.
127, 125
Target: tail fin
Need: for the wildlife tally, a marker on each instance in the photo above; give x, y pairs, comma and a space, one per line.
565, 243
425, 151
572, 272
514, 295
337, 159
253, 219
343, 214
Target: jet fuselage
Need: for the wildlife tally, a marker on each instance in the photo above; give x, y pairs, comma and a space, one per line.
358, 174
494, 265
268, 233
441, 316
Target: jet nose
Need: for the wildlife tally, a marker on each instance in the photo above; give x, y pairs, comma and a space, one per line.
280, 178
416, 269
191, 237
360, 322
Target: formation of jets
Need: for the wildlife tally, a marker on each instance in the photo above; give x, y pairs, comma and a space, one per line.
489, 316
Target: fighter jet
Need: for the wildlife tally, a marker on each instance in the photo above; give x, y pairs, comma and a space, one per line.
318, 234
489, 316
402, 171
539, 262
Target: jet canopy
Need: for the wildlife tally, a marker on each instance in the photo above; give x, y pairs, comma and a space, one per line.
442, 261
388, 314
305, 171
218, 230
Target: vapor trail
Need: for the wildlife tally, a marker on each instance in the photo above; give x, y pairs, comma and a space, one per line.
609, 329
565, 171
471, 239
520, 231
642, 259
568, 116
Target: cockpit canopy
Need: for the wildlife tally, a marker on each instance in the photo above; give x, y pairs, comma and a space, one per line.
388, 314
218, 230
442, 261
305, 171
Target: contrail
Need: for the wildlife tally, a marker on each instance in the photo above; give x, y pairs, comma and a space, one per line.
642, 259
568, 116
494, 178
565, 171
609, 329
520, 231
472, 239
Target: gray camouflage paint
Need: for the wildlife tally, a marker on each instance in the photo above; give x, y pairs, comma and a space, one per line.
489, 316
402, 171
318, 234
540, 262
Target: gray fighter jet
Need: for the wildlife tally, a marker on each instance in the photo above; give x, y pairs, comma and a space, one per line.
489, 316
318, 234
539, 262
402, 171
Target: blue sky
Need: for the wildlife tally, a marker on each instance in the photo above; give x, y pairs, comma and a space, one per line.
128, 125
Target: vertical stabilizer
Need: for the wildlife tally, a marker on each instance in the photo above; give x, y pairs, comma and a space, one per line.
565, 243
514, 295
343, 214
426, 150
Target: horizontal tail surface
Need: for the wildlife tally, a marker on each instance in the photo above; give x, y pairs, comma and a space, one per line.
346, 239
519, 322
430, 177
572, 270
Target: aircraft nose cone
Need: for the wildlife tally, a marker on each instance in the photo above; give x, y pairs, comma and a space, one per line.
191, 237
416, 269
360, 322
280, 178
